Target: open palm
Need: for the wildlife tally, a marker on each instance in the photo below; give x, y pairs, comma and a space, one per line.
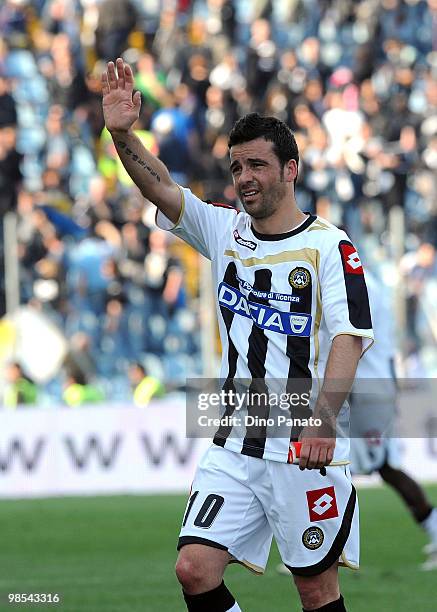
120, 108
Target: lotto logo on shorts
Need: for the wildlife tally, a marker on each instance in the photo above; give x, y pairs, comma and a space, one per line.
351, 259
322, 504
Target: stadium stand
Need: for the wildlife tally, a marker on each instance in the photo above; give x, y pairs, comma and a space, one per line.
355, 81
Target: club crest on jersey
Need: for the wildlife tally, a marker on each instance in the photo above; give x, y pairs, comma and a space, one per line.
299, 278
264, 316
322, 504
312, 538
246, 243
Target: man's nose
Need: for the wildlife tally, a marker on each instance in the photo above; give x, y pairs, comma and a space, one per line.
246, 176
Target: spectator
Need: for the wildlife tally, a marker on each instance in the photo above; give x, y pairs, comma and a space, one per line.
10, 171
8, 110
65, 79
10, 179
77, 391
261, 63
116, 21
20, 389
150, 81
144, 386
163, 283
81, 356
417, 268
13, 22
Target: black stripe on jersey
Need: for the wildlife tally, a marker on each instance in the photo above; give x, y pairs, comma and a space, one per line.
356, 291
230, 277
298, 351
255, 439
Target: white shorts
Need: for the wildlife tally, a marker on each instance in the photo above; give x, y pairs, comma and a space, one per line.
237, 503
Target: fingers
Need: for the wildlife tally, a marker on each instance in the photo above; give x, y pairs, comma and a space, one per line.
120, 76
321, 462
308, 457
137, 99
305, 451
117, 76
105, 84
315, 456
120, 73
112, 77
128, 76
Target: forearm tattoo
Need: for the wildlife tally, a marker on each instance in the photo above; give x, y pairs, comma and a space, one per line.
138, 159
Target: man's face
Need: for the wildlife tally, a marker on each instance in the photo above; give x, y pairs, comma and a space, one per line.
259, 180
12, 373
135, 375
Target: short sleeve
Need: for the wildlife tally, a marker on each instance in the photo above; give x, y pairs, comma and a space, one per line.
200, 224
344, 295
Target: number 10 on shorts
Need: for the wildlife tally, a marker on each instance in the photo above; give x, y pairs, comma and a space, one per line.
207, 513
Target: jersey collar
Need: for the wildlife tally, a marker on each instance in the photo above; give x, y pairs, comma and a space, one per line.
297, 230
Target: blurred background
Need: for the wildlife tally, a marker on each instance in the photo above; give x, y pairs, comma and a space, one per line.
89, 276
103, 316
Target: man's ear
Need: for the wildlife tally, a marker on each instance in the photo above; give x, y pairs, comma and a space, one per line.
290, 171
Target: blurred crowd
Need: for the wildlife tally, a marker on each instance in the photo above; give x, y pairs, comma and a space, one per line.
355, 80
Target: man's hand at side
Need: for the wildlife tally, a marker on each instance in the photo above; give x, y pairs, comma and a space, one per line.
315, 452
318, 442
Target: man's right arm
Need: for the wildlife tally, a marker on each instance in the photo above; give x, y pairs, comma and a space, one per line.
121, 109
149, 174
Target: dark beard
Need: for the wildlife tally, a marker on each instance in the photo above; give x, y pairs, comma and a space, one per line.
269, 203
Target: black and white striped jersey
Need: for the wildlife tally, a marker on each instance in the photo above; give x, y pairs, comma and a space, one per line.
281, 299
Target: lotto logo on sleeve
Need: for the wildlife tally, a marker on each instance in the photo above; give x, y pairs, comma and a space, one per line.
351, 259
322, 504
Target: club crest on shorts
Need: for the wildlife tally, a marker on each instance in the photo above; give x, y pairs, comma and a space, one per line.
312, 538
299, 278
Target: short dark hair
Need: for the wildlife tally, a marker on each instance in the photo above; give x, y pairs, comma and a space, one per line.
274, 130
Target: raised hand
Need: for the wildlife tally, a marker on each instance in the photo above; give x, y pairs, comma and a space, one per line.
120, 108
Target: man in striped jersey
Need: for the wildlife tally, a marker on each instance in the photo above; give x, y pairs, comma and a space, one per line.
292, 306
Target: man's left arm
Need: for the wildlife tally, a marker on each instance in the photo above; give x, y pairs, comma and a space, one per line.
318, 443
347, 317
